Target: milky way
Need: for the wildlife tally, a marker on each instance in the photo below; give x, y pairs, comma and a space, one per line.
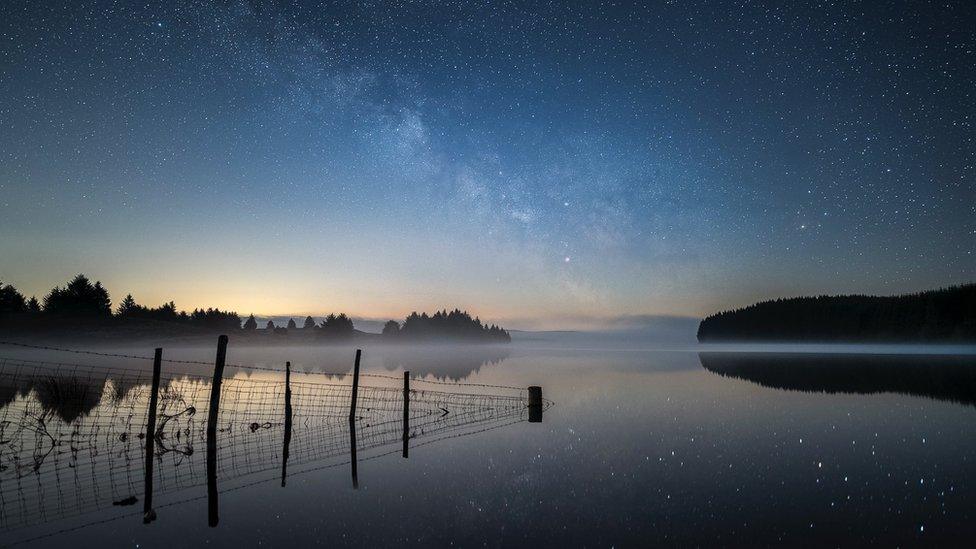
533, 161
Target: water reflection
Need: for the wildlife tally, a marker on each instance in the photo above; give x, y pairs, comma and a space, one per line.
949, 378
73, 441
444, 362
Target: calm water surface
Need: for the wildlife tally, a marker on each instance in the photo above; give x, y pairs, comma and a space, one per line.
639, 448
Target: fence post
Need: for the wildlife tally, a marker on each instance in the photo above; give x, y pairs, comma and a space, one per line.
535, 404
148, 515
212, 430
406, 414
352, 420
355, 386
287, 442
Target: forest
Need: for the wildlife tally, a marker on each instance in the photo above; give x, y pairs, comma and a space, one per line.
946, 315
85, 305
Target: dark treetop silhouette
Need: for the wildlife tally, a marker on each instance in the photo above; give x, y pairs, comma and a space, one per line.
455, 324
947, 314
84, 306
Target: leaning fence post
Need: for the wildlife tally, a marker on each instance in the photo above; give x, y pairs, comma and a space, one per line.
212, 430
355, 386
352, 420
287, 442
406, 413
535, 404
148, 515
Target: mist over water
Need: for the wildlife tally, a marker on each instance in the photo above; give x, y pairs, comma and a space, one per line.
752, 444
639, 435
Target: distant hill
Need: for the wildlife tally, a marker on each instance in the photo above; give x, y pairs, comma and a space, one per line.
947, 314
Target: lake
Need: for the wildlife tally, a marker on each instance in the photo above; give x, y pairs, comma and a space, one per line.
636, 447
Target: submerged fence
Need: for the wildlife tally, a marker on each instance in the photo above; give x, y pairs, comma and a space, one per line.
76, 438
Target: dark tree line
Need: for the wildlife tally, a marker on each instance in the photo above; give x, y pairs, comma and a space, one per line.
335, 326
947, 314
167, 312
456, 325
82, 299
453, 325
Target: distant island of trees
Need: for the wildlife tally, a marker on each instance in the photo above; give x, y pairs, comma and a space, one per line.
85, 305
456, 324
947, 314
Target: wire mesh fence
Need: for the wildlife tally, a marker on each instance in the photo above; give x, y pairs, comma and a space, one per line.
73, 436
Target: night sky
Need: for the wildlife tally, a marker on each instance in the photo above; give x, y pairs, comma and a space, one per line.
544, 164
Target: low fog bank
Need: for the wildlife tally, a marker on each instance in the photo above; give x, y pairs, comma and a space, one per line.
681, 338
839, 348
646, 332
442, 358
450, 362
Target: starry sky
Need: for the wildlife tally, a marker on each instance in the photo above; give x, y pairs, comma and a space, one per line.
544, 164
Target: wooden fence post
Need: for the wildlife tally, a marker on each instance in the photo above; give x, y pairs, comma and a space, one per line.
355, 386
212, 430
406, 414
287, 442
352, 420
148, 515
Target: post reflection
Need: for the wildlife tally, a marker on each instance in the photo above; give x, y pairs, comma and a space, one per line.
353, 460
286, 442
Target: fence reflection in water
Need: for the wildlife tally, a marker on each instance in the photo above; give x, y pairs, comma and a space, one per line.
73, 437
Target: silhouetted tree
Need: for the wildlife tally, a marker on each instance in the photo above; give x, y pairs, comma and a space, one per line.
11, 301
337, 326
33, 306
391, 328
79, 298
291, 324
127, 307
270, 326
945, 314
250, 323
309, 323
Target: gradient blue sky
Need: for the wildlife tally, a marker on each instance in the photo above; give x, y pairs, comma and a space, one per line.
538, 163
